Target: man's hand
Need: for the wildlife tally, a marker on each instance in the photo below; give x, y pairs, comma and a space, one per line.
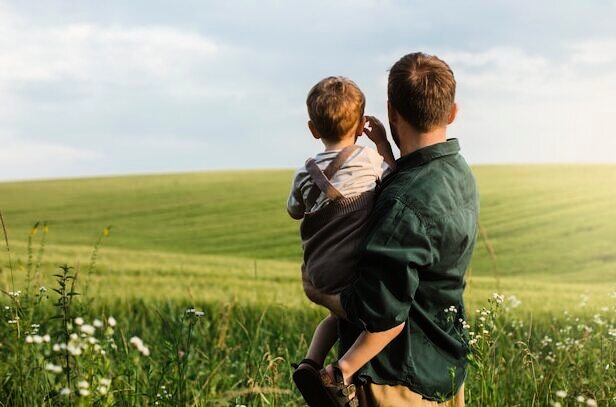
375, 130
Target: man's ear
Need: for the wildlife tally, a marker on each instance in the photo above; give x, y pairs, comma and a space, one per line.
452, 114
313, 130
392, 113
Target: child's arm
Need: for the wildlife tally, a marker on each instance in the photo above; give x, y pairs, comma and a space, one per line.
376, 132
295, 202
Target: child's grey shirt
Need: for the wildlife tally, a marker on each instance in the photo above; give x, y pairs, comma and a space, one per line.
360, 173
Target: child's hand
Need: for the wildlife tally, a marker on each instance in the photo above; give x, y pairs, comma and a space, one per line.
375, 130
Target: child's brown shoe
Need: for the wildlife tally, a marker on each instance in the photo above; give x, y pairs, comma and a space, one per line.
318, 388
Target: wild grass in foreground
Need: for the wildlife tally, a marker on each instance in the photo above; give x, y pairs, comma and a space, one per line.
136, 353
58, 347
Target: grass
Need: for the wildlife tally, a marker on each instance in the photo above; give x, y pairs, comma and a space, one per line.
222, 243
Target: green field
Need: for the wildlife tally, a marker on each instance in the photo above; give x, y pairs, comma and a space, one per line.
222, 242
549, 233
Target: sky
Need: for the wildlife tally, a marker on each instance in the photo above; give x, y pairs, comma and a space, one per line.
116, 87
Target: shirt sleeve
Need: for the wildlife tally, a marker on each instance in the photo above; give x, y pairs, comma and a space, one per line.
397, 247
295, 202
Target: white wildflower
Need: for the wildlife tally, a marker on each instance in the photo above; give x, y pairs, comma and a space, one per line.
87, 329
499, 298
37, 338
513, 301
102, 390
53, 368
138, 343
65, 391
580, 399
83, 384
591, 402
29, 339
105, 382
84, 392
46, 338
73, 349
111, 321
97, 323
78, 321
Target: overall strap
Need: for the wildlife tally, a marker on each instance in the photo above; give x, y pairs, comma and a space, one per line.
321, 183
321, 178
339, 161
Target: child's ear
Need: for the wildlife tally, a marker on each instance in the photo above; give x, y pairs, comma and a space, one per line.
313, 130
360, 126
452, 114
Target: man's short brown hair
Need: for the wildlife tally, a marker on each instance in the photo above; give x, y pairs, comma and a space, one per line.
422, 89
335, 106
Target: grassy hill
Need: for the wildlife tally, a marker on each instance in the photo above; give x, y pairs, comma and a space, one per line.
547, 231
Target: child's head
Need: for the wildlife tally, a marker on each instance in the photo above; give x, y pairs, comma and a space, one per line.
336, 109
422, 90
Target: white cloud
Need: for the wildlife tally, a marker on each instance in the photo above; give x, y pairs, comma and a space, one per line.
594, 52
524, 107
27, 159
91, 52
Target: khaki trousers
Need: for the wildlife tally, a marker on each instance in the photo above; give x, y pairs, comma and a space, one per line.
378, 395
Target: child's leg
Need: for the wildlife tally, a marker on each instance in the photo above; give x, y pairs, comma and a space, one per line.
366, 346
323, 339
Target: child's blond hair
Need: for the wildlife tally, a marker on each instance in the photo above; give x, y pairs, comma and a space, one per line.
335, 106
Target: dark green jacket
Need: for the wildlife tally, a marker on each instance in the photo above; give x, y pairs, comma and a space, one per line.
419, 242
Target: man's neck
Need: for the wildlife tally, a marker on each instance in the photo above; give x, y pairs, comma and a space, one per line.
414, 140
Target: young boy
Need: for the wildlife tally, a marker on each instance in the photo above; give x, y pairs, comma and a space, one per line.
333, 194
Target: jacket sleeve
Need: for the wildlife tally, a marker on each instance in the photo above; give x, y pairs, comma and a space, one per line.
396, 248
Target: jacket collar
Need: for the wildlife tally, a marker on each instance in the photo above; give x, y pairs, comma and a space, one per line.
427, 154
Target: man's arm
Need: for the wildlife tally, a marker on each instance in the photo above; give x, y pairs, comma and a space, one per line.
367, 345
376, 132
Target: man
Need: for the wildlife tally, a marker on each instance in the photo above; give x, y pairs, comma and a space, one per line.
407, 301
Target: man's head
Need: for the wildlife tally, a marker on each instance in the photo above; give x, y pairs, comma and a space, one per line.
422, 89
336, 109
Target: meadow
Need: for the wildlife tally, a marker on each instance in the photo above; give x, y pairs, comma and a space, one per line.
202, 269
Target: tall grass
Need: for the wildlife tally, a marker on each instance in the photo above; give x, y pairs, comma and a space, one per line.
59, 348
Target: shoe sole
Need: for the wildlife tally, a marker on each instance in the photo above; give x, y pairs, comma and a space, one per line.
309, 384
